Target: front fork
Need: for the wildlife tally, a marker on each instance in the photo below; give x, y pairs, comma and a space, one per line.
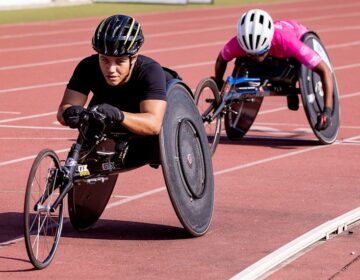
68, 174
221, 108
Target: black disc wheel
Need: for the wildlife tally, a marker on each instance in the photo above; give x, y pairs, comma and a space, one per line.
207, 100
186, 161
42, 225
313, 95
241, 116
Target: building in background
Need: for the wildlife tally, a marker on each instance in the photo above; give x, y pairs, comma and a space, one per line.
14, 4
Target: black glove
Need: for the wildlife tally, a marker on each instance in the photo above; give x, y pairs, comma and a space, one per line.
71, 116
112, 114
324, 119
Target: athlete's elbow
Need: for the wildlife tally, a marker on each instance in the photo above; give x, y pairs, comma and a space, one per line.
155, 129
60, 118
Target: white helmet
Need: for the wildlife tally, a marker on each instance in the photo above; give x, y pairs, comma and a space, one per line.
255, 31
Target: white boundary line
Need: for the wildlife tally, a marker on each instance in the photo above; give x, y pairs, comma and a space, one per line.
36, 127
266, 264
29, 117
33, 87
339, 224
9, 162
37, 139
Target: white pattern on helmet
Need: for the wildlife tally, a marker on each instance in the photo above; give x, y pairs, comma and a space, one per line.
255, 31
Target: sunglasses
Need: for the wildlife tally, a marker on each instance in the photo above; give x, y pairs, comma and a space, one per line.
259, 54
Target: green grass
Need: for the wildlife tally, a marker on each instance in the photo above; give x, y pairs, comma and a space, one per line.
100, 9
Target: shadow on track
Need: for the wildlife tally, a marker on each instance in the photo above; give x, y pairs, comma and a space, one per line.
126, 230
11, 227
272, 142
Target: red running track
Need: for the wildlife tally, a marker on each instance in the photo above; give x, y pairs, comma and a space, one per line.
271, 188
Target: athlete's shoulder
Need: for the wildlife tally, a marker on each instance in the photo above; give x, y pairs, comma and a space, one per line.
146, 68
145, 61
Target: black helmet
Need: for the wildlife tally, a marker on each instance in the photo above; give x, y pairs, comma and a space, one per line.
118, 35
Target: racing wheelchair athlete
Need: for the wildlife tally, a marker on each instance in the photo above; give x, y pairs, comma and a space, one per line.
140, 113
280, 57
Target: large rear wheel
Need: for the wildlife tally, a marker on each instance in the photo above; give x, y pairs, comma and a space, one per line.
313, 95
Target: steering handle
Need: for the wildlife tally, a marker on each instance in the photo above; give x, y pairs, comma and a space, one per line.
87, 118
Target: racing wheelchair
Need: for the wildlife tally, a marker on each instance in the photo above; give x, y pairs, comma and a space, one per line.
242, 94
89, 173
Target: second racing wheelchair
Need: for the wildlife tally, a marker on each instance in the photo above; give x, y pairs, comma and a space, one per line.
242, 94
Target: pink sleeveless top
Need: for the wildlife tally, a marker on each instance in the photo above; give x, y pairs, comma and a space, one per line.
286, 43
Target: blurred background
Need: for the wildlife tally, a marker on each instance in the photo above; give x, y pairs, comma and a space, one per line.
20, 11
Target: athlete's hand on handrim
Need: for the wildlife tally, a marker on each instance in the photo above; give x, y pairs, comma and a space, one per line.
112, 114
324, 119
71, 116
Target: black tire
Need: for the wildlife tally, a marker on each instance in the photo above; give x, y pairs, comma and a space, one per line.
42, 228
311, 93
186, 161
207, 99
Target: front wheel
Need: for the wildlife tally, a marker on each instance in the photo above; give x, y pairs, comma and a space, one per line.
207, 100
42, 227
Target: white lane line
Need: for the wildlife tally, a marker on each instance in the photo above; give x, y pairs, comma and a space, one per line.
40, 47
266, 160
300, 125
33, 87
29, 117
343, 45
347, 66
266, 264
135, 197
9, 162
9, 113
269, 111
36, 127
44, 63
36, 138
